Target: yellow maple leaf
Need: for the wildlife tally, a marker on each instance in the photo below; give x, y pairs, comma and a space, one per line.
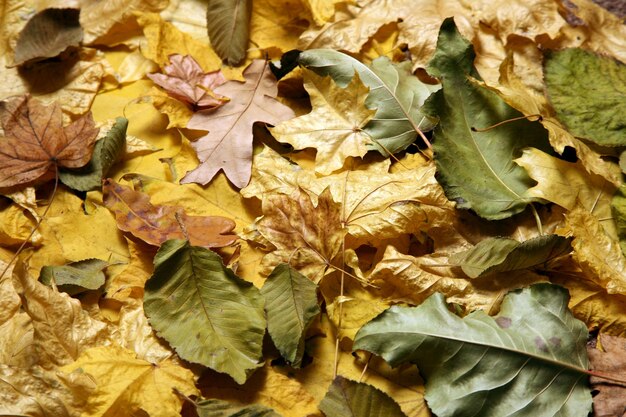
335, 125
126, 384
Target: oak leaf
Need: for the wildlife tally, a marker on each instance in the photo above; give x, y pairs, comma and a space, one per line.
335, 126
185, 80
36, 143
228, 145
156, 224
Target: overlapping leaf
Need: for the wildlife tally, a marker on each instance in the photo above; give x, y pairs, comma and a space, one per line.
220, 408
533, 353
75, 277
228, 23
349, 398
207, 313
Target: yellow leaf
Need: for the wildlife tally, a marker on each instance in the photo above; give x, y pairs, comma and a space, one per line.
598, 255
130, 281
62, 329
177, 112
334, 127
134, 67
323, 10
569, 184
17, 346
275, 26
39, 393
16, 227
126, 385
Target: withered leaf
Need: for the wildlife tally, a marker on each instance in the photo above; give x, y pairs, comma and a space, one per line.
36, 143
185, 80
611, 359
47, 34
228, 25
228, 145
156, 224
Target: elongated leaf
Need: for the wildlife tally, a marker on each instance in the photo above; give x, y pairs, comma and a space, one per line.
228, 24
291, 305
394, 91
207, 313
501, 254
106, 153
587, 92
220, 408
350, 398
476, 169
75, 277
526, 361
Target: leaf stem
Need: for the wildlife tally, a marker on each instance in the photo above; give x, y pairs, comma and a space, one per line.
515, 119
537, 219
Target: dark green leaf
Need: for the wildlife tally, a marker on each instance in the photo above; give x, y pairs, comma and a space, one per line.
75, 277
394, 91
529, 360
106, 153
206, 312
499, 254
219, 408
355, 399
476, 169
588, 93
291, 305
228, 24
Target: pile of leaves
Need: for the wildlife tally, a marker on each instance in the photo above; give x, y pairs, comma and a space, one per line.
312, 207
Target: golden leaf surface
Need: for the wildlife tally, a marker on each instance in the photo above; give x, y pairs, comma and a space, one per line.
334, 127
126, 384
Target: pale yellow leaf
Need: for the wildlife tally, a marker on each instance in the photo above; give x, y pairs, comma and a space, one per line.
126, 385
17, 348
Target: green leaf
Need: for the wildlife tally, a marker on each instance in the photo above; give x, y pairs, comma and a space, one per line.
529, 360
291, 305
588, 93
476, 169
75, 277
219, 408
206, 312
106, 153
499, 254
618, 208
349, 398
228, 24
394, 91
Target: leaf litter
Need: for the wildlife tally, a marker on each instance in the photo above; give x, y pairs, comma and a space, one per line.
287, 225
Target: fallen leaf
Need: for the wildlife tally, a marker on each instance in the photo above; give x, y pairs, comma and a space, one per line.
618, 209
36, 143
307, 237
346, 397
75, 277
597, 113
47, 34
534, 348
275, 26
219, 408
291, 305
107, 151
156, 224
228, 24
476, 168
125, 384
192, 293
185, 80
608, 357
334, 127
17, 347
228, 145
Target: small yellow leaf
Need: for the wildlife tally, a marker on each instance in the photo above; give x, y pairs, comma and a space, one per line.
126, 384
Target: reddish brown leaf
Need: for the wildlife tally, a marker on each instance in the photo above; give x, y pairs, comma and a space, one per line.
228, 145
611, 398
156, 224
36, 142
185, 80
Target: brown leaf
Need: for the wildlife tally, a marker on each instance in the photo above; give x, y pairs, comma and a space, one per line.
611, 400
47, 34
228, 145
36, 142
156, 224
185, 80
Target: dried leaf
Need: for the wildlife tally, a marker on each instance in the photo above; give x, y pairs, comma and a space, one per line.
228, 24
618, 209
75, 277
228, 145
156, 224
47, 34
334, 127
350, 398
219, 408
126, 385
610, 401
36, 143
185, 80
192, 293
